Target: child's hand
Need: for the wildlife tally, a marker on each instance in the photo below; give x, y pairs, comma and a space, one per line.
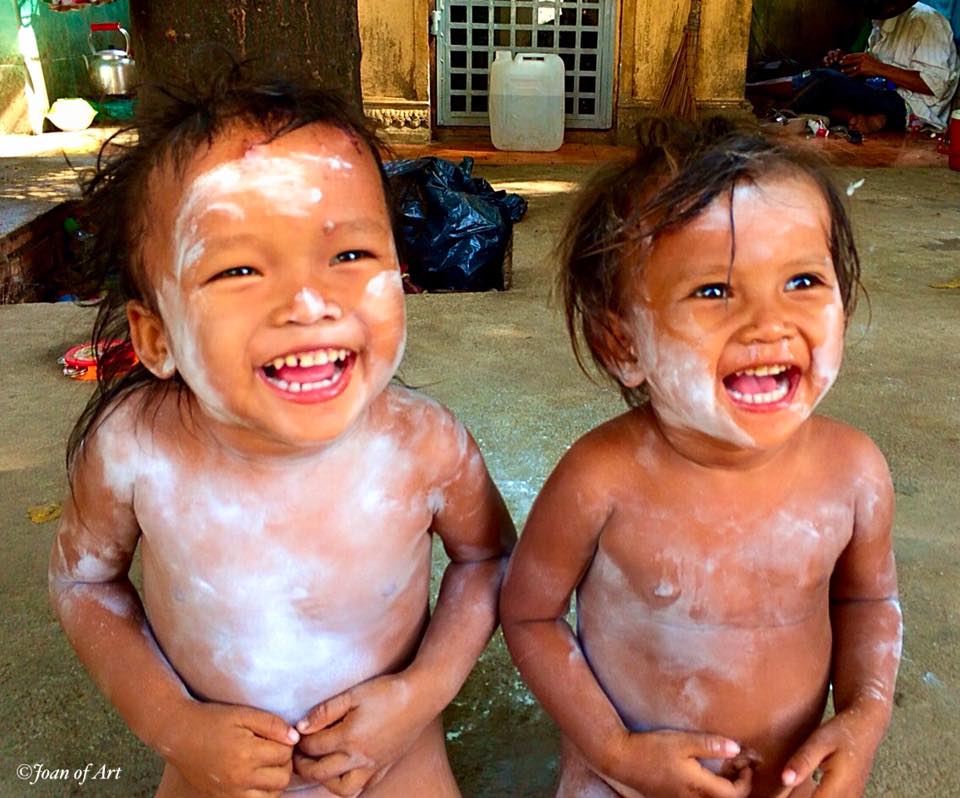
665, 764
842, 750
349, 741
224, 750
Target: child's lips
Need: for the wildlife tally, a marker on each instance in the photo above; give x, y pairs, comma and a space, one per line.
314, 375
764, 387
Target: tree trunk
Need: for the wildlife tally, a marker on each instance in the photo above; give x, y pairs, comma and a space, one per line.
308, 39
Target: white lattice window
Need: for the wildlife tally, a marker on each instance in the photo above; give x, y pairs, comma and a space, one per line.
471, 31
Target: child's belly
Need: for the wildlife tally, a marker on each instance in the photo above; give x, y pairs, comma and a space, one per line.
284, 630
764, 687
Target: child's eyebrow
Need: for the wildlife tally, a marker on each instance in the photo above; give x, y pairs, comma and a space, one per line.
360, 226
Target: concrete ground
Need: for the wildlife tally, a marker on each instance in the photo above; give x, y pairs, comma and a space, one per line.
503, 364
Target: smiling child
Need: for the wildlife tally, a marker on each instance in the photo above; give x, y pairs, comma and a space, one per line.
282, 493
730, 551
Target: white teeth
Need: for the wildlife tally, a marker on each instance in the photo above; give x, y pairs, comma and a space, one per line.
761, 398
294, 387
319, 357
764, 371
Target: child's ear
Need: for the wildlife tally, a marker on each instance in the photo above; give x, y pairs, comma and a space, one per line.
620, 354
149, 338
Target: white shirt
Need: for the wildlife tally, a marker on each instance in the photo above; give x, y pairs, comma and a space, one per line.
920, 39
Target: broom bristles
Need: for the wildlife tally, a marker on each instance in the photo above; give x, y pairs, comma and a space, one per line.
677, 98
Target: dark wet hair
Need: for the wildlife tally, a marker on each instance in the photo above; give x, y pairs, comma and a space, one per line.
679, 169
171, 125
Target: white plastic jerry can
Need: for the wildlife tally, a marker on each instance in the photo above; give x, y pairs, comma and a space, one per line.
526, 101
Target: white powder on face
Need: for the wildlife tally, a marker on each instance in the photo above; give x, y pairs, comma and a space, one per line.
382, 282
183, 333
683, 389
284, 183
315, 306
826, 358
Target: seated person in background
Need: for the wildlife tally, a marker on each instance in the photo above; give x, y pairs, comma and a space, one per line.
910, 69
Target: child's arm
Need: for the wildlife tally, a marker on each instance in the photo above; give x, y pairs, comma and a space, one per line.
867, 634
221, 750
384, 716
554, 552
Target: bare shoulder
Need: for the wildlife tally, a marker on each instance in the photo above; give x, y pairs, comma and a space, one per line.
847, 447
619, 452
426, 427
113, 446
857, 462
614, 448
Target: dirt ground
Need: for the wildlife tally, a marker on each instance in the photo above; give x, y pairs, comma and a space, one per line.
503, 364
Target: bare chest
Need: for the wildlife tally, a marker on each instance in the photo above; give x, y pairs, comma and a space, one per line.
722, 562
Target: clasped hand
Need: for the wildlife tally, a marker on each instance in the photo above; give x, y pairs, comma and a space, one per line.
667, 764
841, 749
349, 742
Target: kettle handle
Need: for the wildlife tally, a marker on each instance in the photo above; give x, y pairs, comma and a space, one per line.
98, 27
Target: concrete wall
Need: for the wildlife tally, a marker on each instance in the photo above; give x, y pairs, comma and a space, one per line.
395, 70
651, 32
395, 65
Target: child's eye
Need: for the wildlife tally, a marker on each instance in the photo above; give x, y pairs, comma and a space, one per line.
800, 281
351, 255
712, 291
235, 271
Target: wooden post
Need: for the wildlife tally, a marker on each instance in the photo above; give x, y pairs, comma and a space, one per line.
308, 39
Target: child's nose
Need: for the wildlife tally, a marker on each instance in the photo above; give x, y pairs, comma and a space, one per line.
308, 307
767, 324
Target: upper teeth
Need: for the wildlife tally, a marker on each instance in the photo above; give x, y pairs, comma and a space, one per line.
764, 371
319, 357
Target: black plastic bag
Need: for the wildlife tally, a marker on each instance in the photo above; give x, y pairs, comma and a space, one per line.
455, 229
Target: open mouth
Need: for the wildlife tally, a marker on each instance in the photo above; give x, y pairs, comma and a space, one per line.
316, 374
766, 387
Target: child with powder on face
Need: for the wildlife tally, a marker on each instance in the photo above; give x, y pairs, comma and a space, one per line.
282, 493
730, 551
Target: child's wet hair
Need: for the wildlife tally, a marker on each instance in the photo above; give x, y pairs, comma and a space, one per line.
172, 124
679, 169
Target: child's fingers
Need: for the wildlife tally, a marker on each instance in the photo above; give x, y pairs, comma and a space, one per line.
271, 779
807, 759
268, 726
351, 783
708, 746
323, 769
271, 754
323, 742
744, 782
710, 785
322, 715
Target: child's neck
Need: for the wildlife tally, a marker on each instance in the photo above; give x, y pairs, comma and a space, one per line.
705, 451
249, 445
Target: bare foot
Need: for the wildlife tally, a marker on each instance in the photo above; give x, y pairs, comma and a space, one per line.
868, 123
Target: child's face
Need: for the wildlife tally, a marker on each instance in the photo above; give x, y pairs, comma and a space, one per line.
277, 282
742, 364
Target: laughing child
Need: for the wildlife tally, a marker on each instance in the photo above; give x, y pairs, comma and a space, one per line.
282, 493
730, 551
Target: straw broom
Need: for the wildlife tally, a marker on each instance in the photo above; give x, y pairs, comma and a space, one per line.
677, 98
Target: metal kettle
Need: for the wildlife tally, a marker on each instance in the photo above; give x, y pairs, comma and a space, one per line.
111, 71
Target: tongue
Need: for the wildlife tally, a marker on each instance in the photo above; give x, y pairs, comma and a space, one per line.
749, 383
309, 374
